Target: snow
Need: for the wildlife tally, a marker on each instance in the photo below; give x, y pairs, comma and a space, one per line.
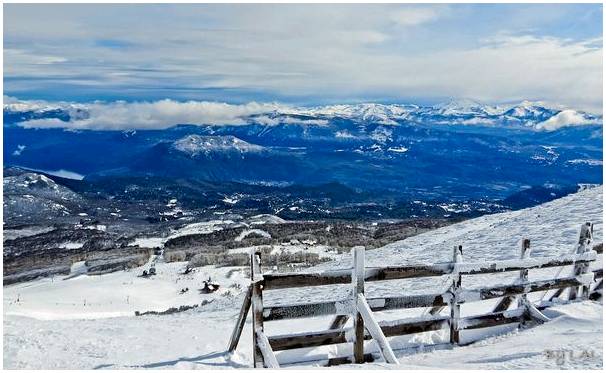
248, 232
265, 348
16, 105
323, 251
469, 266
97, 227
181, 341
573, 328
400, 149
77, 269
70, 245
115, 294
231, 201
201, 228
552, 228
204, 227
589, 162
265, 219
478, 121
88, 321
195, 144
461, 107
149, 242
344, 134
11, 234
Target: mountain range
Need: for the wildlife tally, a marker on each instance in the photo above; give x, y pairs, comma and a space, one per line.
526, 114
456, 150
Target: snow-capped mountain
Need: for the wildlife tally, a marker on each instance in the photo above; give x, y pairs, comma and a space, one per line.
526, 114
464, 107
196, 144
29, 196
456, 112
367, 112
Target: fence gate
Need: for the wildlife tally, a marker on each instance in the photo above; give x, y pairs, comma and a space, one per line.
360, 307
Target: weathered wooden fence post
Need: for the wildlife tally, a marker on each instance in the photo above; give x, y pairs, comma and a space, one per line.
524, 254
582, 268
235, 336
455, 308
357, 275
375, 330
257, 305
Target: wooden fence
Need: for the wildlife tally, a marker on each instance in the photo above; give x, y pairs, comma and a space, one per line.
360, 306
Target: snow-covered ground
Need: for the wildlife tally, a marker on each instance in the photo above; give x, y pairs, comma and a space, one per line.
88, 321
119, 293
11, 234
571, 340
206, 227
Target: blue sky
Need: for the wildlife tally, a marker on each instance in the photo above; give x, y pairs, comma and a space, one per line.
305, 54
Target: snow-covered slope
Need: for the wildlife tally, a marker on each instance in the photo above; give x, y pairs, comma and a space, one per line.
30, 196
553, 229
572, 340
36, 334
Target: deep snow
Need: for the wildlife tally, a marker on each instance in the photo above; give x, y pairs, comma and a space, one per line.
88, 322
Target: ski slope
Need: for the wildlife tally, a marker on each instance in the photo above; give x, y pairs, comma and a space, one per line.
51, 327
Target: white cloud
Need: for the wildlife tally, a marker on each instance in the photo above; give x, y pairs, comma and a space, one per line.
565, 118
415, 16
270, 121
328, 52
156, 115
24, 56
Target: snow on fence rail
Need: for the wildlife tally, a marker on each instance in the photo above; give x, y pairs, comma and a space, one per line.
361, 306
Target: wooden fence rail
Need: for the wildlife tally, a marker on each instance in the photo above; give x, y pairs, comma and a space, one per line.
583, 284
292, 280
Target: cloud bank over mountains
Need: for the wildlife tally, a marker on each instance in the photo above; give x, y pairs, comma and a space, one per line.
305, 54
162, 114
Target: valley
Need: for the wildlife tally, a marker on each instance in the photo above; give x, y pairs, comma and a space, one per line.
112, 223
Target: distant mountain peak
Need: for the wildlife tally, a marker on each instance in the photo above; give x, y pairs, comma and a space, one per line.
525, 114
196, 144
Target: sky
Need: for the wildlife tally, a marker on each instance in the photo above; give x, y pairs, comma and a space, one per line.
309, 54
